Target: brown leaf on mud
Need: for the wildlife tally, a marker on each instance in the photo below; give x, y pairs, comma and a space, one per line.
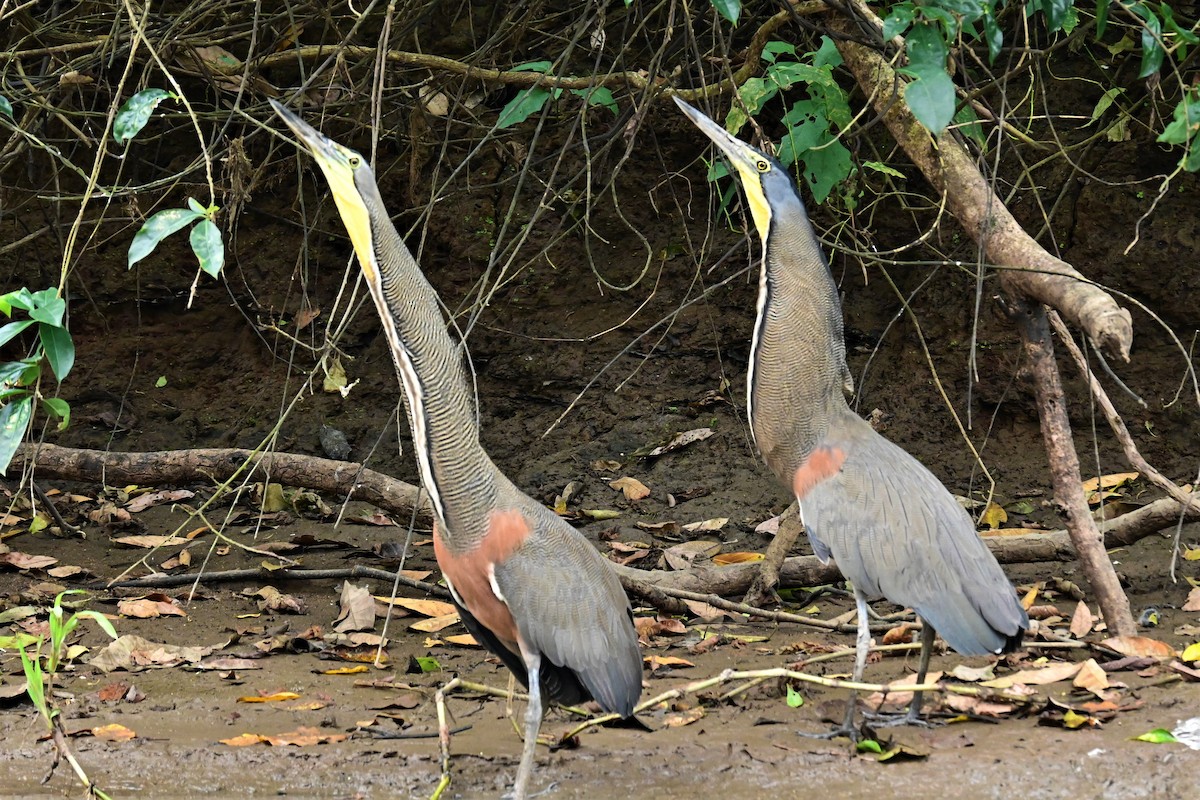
1091, 677
1043, 611
428, 608
682, 718
661, 662
682, 440
1082, 621
632, 488
977, 705
1139, 646
150, 499
108, 513
68, 571
648, 627
128, 652
149, 541
1036, 677
227, 664
274, 600
435, 624
993, 516
901, 634
605, 465
305, 736
682, 555
668, 528
24, 561
705, 611
714, 524
357, 609
243, 740
145, 608
355, 670
112, 692
1193, 600
462, 640
113, 733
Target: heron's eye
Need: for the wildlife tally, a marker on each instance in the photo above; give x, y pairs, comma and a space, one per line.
762, 165
355, 161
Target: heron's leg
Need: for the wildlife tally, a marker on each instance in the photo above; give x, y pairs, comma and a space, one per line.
862, 646
928, 634
533, 722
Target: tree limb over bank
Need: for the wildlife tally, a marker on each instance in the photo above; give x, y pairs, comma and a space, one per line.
1028, 270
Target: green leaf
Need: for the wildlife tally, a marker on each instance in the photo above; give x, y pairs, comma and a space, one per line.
14, 419
898, 21
1183, 126
967, 123
794, 698
1056, 13
825, 167
48, 307
157, 228
59, 408
136, 112
102, 621
879, 166
995, 37
527, 103
869, 746
14, 373
1184, 34
598, 96
729, 9
6, 107
161, 382
11, 329
208, 247
533, 66
773, 49
1101, 17
1070, 20
21, 298
931, 100
1152, 51
59, 349
194, 205
1156, 736
926, 50
1105, 101
827, 55
427, 663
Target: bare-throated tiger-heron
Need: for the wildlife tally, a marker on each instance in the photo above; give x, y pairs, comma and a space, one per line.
527, 585
891, 526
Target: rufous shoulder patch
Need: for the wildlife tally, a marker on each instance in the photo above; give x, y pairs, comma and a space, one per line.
470, 572
821, 465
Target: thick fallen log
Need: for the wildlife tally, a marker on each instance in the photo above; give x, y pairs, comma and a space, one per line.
157, 468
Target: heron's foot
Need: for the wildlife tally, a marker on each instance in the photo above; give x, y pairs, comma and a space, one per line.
878, 720
840, 732
510, 796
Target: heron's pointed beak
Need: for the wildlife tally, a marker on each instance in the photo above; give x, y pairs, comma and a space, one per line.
339, 165
749, 163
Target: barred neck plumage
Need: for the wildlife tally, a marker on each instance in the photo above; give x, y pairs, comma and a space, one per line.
455, 471
798, 351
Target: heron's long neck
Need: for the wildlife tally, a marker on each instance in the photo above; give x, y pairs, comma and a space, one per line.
456, 472
798, 353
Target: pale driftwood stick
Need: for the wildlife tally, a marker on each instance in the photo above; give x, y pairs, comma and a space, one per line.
1030, 317
762, 591
218, 464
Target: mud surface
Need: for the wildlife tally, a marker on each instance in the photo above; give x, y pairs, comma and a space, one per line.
228, 377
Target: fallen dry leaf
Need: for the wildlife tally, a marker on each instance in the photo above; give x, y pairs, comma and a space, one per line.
683, 440
632, 488
128, 651
681, 718
150, 542
1081, 621
1193, 600
1091, 677
658, 662
714, 524
462, 640
1108, 481
243, 740
144, 501
1035, 677
993, 516
1139, 646
113, 733
145, 608
24, 561
725, 559
682, 555
428, 608
435, 624
357, 609
269, 698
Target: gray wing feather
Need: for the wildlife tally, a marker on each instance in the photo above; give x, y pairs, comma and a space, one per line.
569, 605
896, 532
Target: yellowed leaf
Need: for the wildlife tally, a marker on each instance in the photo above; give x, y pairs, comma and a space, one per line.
434, 624
462, 640
113, 733
993, 516
1191, 652
658, 662
1108, 481
269, 698
1191, 554
632, 488
355, 670
244, 740
681, 718
428, 608
725, 559
1030, 597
